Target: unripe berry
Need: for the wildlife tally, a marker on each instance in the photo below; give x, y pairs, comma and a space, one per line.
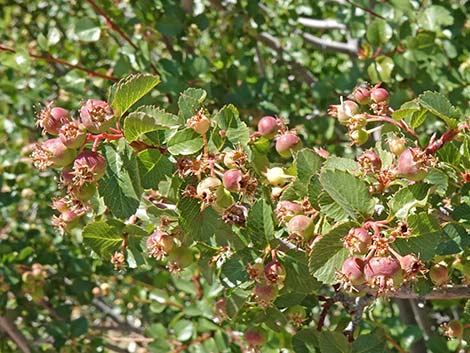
182, 256
361, 95
386, 266
275, 273
300, 226
454, 329
89, 166
287, 144
396, 145
61, 204
350, 108
358, 240
370, 160
411, 166
439, 274
265, 294
296, 314
255, 336
200, 123
72, 134
208, 185
267, 126
97, 116
51, 119
277, 177
353, 268
232, 179
159, 244
359, 136
52, 153
235, 159
285, 210
378, 94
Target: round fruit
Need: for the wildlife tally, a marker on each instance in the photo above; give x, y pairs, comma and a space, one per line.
300, 225
353, 269
287, 144
439, 274
267, 126
410, 166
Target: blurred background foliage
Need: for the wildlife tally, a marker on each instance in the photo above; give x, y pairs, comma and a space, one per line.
265, 57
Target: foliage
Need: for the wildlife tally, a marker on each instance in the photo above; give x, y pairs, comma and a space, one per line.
263, 59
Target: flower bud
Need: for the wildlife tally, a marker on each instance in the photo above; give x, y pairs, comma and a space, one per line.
277, 177
287, 144
51, 119
267, 127
232, 179
97, 116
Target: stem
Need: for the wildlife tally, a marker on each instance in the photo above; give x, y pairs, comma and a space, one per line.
326, 307
50, 58
366, 9
400, 124
395, 344
200, 339
15, 334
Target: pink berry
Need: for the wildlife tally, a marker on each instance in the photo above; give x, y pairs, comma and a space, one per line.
267, 126
353, 268
97, 116
370, 160
439, 274
379, 95
361, 95
72, 134
300, 226
411, 164
232, 179
51, 119
387, 267
255, 336
275, 273
52, 153
287, 143
89, 166
358, 240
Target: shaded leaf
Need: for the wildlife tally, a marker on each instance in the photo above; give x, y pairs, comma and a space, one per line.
190, 101
185, 142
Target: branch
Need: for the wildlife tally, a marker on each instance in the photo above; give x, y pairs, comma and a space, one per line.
366, 9
456, 292
50, 58
320, 24
349, 48
300, 71
16, 336
115, 317
118, 29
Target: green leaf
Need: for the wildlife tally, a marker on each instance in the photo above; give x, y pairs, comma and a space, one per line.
259, 224
440, 106
198, 225
147, 119
79, 327
381, 69
190, 102
379, 32
121, 185
305, 341
333, 342
328, 254
129, 90
339, 163
185, 142
409, 198
103, 238
236, 130
183, 330
457, 240
87, 30
153, 167
434, 17
348, 192
298, 278
426, 235
374, 342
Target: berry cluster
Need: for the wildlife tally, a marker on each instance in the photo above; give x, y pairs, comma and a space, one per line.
73, 149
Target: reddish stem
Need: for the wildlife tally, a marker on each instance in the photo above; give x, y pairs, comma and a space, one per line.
400, 124
50, 58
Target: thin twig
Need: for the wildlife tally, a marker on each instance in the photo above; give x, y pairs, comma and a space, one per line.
399, 124
50, 58
15, 334
395, 344
373, 13
115, 317
350, 48
198, 340
455, 292
321, 24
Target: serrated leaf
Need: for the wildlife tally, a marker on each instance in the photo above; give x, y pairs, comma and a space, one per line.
333, 342
308, 163
190, 101
259, 223
153, 167
426, 235
147, 119
328, 254
340, 163
305, 341
409, 198
348, 192
298, 277
121, 185
198, 225
374, 342
236, 130
330, 208
103, 238
440, 106
185, 142
457, 240
129, 90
